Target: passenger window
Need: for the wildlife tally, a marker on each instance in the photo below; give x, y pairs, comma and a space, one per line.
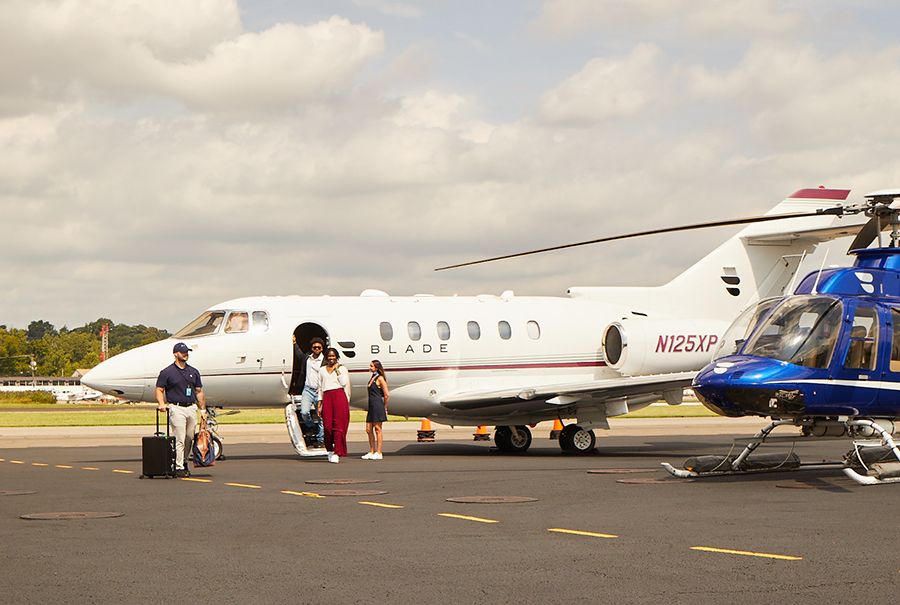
533, 329
415, 331
237, 323
895, 340
443, 330
863, 340
260, 321
387, 331
505, 330
474, 330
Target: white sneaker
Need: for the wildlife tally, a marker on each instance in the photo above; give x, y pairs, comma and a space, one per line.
334, 458
368, 456
376, 456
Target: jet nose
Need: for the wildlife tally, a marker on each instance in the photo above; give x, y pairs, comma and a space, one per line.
123, 376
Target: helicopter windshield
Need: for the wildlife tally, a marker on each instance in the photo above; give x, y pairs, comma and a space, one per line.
801, 330
740, 328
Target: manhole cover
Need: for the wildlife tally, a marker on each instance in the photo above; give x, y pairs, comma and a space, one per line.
61, 516
16, 493
490, 499
620, 471
340, 481
350, 492
648, 480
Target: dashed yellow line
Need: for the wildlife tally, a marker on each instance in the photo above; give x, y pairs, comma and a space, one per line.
382, 505
467, 518
16, 462
746, 553
63, 466
244, 485
39, 464
307, 494
581, 533
89, 468
116, 470
197, 480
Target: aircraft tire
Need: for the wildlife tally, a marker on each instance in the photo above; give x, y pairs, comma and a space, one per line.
501, 438
518, 439
573, 438
217, 448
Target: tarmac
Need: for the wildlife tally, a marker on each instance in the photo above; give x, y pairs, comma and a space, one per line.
452, 521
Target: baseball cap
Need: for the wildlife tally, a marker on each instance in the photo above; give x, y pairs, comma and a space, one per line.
181, 348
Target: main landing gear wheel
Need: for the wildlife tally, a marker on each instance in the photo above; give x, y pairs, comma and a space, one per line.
514, 439
575, 439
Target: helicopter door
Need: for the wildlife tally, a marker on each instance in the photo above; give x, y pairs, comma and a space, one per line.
856, 361
888, 398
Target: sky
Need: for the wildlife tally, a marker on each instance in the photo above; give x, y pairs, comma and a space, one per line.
158, 157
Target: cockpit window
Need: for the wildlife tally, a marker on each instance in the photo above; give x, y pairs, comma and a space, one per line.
206, 324
801, 330
237, 323
741, 328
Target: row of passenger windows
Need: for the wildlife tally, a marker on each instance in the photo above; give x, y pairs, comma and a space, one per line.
474, 330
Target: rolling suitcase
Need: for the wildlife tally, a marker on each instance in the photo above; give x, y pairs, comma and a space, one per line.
158, 453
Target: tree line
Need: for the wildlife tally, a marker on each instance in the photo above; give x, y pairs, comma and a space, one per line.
61, 352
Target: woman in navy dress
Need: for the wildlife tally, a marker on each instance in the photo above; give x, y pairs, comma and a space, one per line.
378, 402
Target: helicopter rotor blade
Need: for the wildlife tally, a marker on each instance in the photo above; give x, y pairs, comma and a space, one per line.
866, 235
838, 211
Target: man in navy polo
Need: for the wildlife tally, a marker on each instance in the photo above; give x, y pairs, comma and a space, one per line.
179, 390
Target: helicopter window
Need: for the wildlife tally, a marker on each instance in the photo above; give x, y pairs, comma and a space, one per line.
415, 331
505, 330
801, 330
387, 330
474, 330
260, 321
740, 329
533, 329
443, 330
863, 340
895, 340
237, 323
206, 324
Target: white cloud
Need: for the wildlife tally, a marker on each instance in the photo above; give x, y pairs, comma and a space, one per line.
605, 88
710, 17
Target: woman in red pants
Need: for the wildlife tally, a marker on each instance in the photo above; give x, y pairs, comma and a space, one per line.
334, 404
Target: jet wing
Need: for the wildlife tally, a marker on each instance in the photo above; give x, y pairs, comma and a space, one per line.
568, 393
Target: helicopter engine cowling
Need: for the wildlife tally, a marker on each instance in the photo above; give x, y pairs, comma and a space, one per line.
635, 347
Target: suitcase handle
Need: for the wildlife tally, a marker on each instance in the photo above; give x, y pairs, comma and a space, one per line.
158, 433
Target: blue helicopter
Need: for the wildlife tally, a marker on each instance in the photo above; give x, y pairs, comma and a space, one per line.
824, 359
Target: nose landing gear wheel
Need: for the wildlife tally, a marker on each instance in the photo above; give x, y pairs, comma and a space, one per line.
575, 439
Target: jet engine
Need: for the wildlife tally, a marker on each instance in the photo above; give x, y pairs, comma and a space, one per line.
636, 347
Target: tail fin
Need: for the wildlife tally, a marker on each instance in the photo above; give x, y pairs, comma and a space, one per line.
757, 263
761, 260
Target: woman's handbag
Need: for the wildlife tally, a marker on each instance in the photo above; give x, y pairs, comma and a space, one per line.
203, 452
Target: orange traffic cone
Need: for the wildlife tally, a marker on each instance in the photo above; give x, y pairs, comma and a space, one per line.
425, 433
482, 434
557, 427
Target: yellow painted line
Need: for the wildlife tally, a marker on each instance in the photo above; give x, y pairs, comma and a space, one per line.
581, 533
244, 485
307, 494
39, 464
382, 505
115, 470
2, 459
746, 553
89, 468
466, 518
63, 466
16, 462
197, 480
